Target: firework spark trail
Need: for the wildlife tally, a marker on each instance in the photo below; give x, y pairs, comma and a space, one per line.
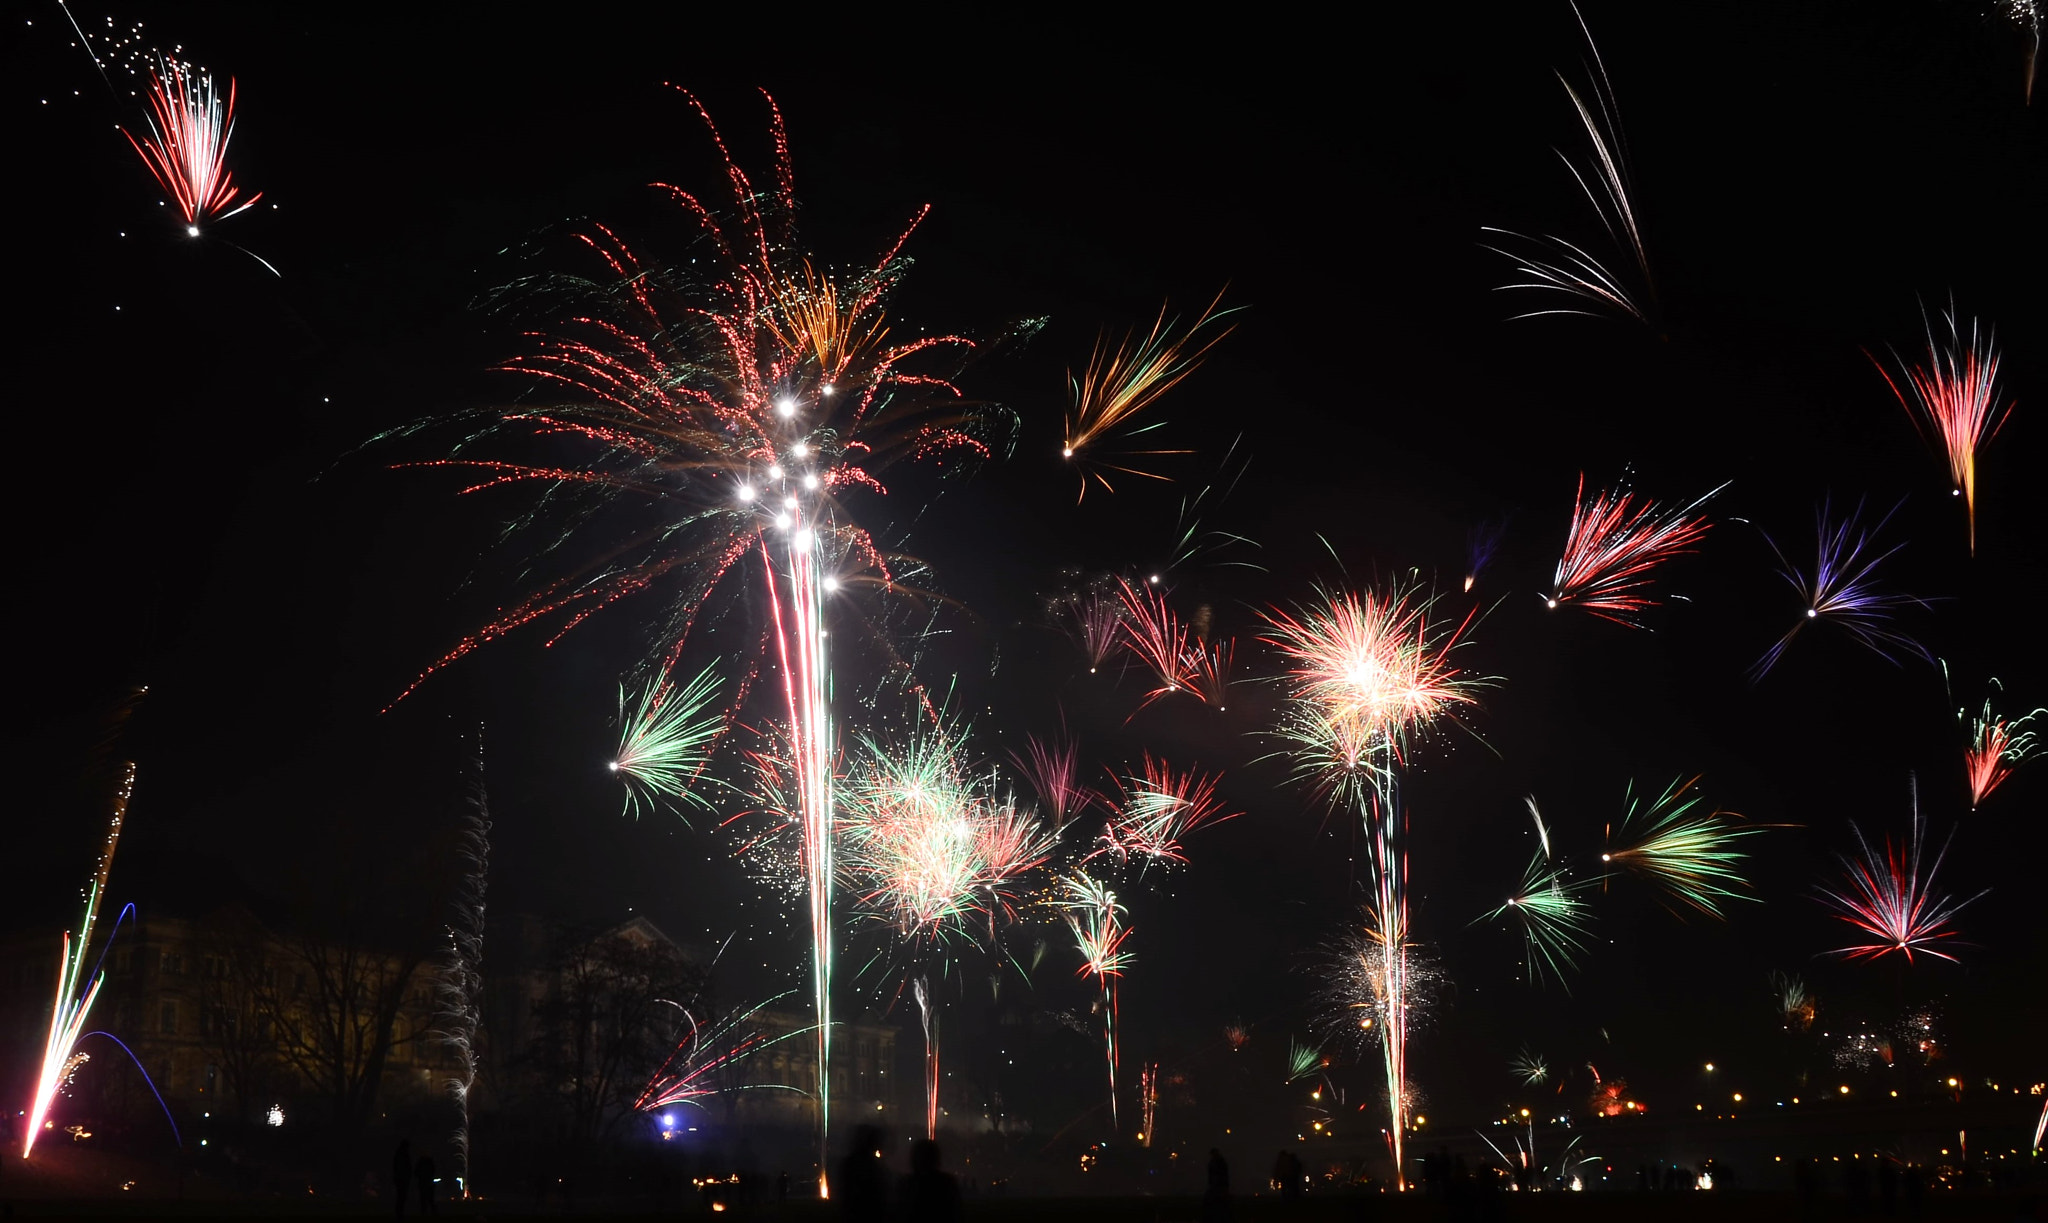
1796, 1004
1555, 265
1997, 746
1158, 807
1953, 400
667, 741
1691, 855
2026, 16
1380, 982
921, 989
1843, 589
1160, 640
716, 412
1889, 898
75, 994
1054, 770
1615, 540
187, 145
459, 985
1095, 917
1148, 1102
1121, 383
1555, 921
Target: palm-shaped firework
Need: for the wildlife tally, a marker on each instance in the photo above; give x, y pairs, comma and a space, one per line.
711, 417
1997, 745
1616, 539
1096, 917
1119, 384
1843, 589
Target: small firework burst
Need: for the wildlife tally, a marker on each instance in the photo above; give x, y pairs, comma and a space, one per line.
1953, 399
1997, 745
1529, 1066
1119, 384
1843, 589
1616, 540
1690, 853
1159, 806
1796, 1005
1554, 919
1054, 769
1303, 1060
1887, 896
667, 740
186, 147
1093, 615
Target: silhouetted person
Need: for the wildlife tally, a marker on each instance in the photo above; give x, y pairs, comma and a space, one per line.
401, 1176
1806, 1178
1216, 1198
1916, 1183
1287, 1176
423, 1172
782, 1186
929, 1194
862, 1195
1856, 1179
1888, 1187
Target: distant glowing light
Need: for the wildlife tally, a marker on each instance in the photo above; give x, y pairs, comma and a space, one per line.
274, 1117
192, 230
831, 584
746, 492
811, 480
775, 471
782, 521
800, 449
785, 407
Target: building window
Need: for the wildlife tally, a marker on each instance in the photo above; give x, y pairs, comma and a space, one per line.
167, 1018
170, 963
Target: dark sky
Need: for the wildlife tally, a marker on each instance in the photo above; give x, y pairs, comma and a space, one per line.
194, 510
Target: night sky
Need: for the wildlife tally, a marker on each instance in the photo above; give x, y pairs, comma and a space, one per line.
195, 508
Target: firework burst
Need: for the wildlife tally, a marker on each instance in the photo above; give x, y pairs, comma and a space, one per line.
1054, 771
1093, 616
697, 1067
1796, 1004
668, 740
1953, 399
459, 982
1689, 852
1304, 1060
1554, 920
1888, 897
715, 417
1096, 917
1550, 264
186, 147
1158, 807
1615, 540
1529, 1067
1843, 590
1367, 674
1122, 382
1997, 746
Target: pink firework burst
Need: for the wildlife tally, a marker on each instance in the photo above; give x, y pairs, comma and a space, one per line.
1054, 771
187, 144
1997, 746
1887, 896
1616, 539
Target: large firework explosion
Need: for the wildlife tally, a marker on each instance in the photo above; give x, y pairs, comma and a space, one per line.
711, 418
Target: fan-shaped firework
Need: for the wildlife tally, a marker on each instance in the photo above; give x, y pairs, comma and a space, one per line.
1796, 1006
1159, 639
1997, 746
1093, 615
1887, 896
1303, 1060
1953, 399
1054, 771
186, 148
1529, 1067
1120, 384
1095, 917
1367, 673
1690, 853
1843, 590
708, 417
1159, 806
1615, 540
667, 741
1553, 265
1555, 922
